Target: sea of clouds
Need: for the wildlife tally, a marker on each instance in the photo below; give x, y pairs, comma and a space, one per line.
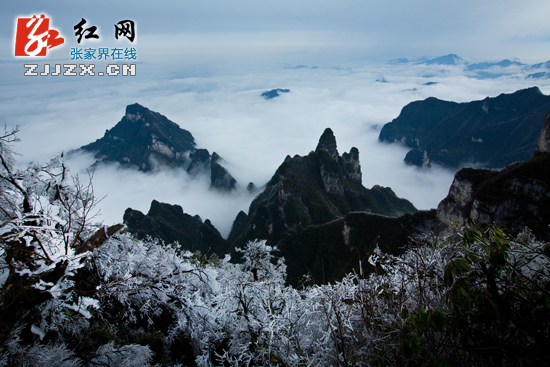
222, 107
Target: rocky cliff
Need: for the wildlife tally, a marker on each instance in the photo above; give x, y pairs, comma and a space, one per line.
144, 140
312, 190
141, 137
492, 133
516, 196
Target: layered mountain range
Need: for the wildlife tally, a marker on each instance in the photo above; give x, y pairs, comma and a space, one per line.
480, 70
325, 222
146, 140
304, 194
453, 59
491, 133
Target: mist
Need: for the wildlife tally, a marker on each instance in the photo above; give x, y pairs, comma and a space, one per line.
224, 111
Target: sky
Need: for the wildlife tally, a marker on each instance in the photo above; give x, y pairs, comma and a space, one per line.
176, 29
204, 64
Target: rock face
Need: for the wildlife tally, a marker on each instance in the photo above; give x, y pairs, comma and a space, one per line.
170, 224
516, 196
331, 250
313, 190
418, 158
144, 139
493, 133
351, 168
543, 144
327, 143
141, 137
220, 178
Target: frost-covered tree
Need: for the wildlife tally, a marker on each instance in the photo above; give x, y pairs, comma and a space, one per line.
73, 294
257, 308
45, 216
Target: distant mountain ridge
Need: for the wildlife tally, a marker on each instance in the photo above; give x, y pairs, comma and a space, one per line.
493, 132
453, 59
450, 59
481, 70
487, 65
140, 135
144, 139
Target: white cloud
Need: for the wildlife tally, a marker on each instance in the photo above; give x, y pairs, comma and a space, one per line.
223, 110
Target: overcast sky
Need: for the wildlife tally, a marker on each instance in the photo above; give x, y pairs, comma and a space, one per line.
203, 64
484, 29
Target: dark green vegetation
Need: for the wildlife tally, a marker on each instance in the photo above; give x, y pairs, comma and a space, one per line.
170, 224
496, 309
274, 93
493, 132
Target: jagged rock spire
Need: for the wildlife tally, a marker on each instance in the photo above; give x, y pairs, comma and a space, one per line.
543, 144
350, 165
328, 142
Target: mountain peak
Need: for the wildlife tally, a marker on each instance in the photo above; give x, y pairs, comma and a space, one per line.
134, 144
135, 111
450, 59
328, 143
531, 90
136, 107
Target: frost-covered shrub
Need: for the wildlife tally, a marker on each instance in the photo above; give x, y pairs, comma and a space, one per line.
497, 303
71, 299
124, 356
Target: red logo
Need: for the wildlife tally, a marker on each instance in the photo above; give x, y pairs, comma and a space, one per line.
33, 36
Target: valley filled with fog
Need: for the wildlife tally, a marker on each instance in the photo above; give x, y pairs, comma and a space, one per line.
222, 107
